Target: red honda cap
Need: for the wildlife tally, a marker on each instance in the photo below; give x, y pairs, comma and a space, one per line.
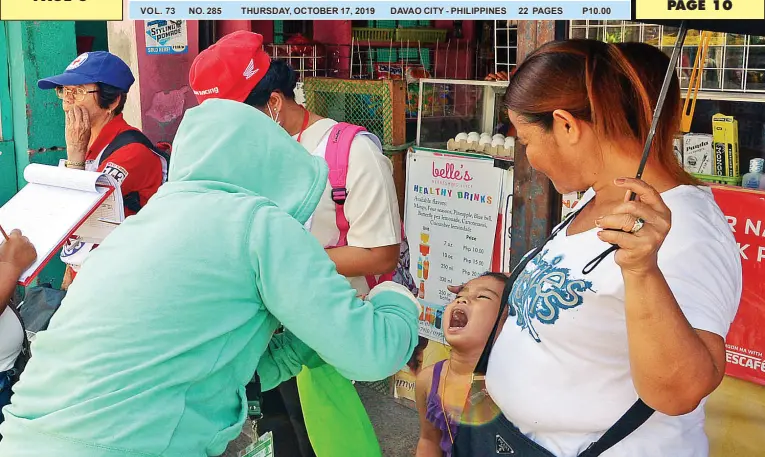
230, 68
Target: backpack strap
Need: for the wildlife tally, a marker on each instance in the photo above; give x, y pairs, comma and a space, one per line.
132, 200
337, 154
136, 136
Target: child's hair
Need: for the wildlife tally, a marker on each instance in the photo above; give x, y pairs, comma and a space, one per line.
506, 292
414, 362
492, 274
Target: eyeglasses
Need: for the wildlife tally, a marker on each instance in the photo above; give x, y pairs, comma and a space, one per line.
77, 93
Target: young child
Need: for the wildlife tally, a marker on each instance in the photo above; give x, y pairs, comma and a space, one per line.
443, 388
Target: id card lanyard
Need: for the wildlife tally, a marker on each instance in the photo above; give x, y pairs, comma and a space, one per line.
261, 446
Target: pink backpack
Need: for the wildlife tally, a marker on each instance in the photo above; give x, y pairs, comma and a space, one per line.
337, 153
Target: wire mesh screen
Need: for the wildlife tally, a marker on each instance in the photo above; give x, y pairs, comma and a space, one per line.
376, 105
382, 387
734, 63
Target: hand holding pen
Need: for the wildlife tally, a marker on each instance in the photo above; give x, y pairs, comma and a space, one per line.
17, 251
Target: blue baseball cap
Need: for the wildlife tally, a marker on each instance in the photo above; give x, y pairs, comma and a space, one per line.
92, 67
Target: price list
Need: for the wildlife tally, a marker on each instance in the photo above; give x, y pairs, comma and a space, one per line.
451, 220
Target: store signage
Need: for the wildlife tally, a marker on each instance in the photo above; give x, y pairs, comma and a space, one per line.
166, 37
452, 208
745, 343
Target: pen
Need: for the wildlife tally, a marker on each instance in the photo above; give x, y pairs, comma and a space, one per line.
5, 235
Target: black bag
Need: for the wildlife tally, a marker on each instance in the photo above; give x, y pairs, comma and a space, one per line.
39, 305
484, 431
132, 200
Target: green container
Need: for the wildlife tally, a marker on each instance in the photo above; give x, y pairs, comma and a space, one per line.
372, 34
727, 180
278, 27
425, 58
421, 35
387, 55
278, 39
421, 56
385, 24
425, 23
408, 24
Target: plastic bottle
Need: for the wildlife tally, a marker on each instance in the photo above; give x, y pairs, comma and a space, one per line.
753, 179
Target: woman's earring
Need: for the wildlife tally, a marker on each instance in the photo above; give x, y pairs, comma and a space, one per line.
271, 114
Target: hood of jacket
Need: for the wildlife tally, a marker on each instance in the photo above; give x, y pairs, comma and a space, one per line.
223, 145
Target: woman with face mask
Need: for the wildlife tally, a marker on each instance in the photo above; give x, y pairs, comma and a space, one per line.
237, 68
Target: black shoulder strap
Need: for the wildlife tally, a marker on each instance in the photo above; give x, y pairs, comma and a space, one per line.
125, 138
636, 416
483, 362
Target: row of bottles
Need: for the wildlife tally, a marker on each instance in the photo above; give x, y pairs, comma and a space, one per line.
423, 264
434, 317
755, 179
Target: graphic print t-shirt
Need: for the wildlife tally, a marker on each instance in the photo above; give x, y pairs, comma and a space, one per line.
560, 368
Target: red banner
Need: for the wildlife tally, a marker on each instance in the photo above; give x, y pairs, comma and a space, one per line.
745, 344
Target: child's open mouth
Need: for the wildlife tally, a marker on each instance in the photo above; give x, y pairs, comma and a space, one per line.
458, 319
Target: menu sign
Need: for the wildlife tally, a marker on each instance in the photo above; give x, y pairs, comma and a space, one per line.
452, 205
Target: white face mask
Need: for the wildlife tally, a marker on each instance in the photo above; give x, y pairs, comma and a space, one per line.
271, 114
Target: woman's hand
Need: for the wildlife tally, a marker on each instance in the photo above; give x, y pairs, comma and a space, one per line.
77, 132
638, 253
18, 252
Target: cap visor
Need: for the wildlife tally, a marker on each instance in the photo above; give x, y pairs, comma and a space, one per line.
64, 79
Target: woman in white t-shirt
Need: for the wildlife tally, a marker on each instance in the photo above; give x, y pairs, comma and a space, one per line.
649, 321
16, 255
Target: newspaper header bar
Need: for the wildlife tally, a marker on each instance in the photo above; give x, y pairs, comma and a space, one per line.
402, 10
150, 10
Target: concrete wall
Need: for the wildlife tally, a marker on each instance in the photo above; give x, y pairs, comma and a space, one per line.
736, 419
161, 94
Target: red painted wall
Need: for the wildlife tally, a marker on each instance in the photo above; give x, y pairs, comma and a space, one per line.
455, 59
164, 83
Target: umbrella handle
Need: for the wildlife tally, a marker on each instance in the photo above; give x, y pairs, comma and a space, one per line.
681, 33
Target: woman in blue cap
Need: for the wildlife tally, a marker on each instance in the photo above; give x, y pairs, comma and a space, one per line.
93, 90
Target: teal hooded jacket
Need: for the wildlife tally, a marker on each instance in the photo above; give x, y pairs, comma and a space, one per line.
169, 318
